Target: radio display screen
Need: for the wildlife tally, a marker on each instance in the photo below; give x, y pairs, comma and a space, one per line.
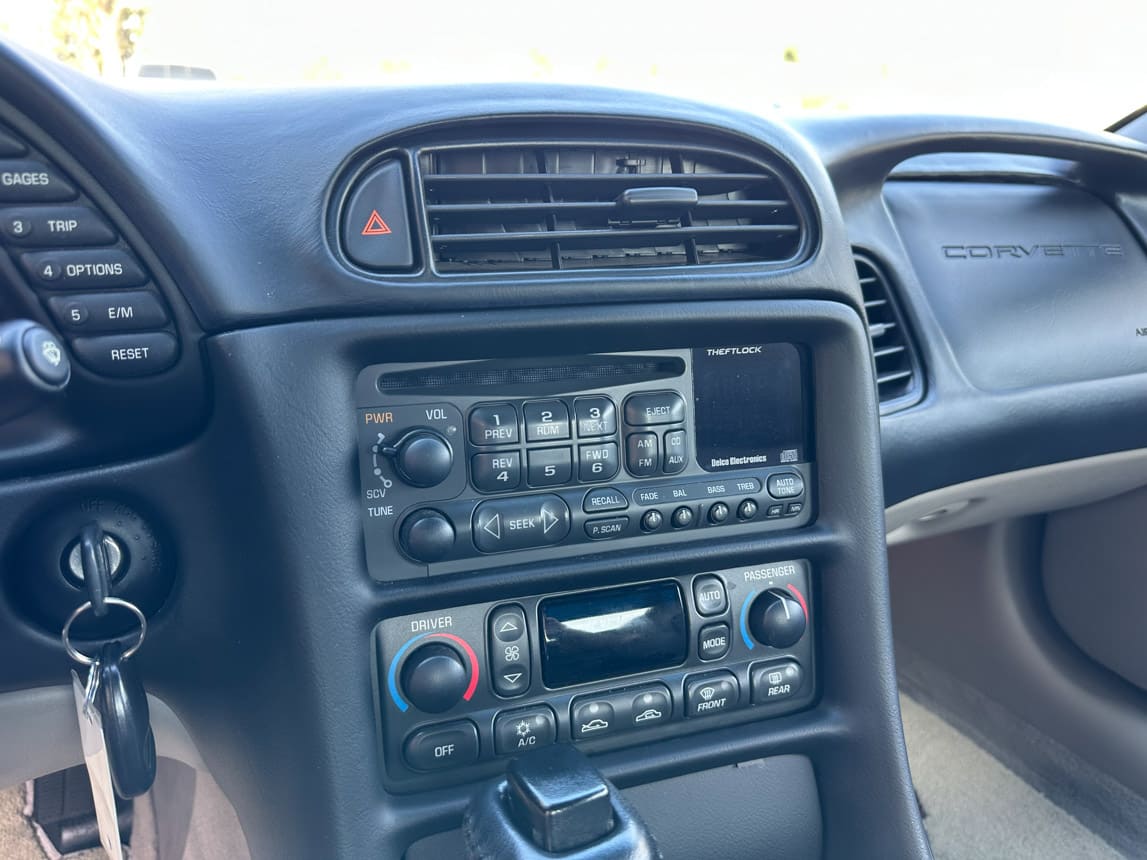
607, 634
749, 406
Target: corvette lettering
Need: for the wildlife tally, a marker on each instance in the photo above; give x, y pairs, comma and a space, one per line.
1022, 252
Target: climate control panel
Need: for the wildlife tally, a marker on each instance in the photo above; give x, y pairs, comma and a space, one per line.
463, 464
463, 688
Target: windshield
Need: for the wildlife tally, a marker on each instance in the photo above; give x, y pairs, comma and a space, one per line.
1016, 58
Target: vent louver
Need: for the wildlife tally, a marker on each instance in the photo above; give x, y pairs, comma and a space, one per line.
517, 207
898, 375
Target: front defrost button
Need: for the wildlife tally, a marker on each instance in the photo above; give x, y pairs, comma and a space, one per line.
376, 223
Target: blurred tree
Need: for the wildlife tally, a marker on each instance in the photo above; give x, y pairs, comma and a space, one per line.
97, 36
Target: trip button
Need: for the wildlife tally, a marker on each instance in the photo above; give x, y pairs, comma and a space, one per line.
651, 706
549, 467
497, 471
604, 500
597, 462
27, 181
127, 355
655, 407
675, 455
713, 641
98, 268
108, 312
776, 682
593, 718
494, 424
524, 730
375, 224
55, 226
442, 746
711, 694
611, 527
786, 485
546, 421
595, 416
501, 525
709, 595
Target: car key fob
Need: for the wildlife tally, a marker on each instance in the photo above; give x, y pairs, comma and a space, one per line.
122, 703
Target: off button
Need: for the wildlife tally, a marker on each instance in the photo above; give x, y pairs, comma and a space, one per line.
443, 746
502, 525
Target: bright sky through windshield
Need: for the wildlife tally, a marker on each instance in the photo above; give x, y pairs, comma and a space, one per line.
1076, 65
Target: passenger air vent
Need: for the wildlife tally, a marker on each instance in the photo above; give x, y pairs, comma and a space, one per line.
899, 381
517, 207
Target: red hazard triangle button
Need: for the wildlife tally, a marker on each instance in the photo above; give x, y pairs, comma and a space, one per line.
375, 226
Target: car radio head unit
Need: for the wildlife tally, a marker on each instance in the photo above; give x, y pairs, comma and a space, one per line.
467, 465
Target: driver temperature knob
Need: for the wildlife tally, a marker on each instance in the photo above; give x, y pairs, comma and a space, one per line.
422, 458
434, 678
776, 619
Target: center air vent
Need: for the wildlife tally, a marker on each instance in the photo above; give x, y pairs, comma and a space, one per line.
899, 381
516, 207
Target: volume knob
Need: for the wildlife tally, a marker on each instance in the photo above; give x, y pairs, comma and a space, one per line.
422, 458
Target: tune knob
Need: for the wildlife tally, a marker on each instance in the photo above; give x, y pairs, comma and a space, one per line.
434, 678
776, 619
426, 536
422, 458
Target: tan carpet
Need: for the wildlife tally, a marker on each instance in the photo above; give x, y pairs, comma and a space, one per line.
977, 809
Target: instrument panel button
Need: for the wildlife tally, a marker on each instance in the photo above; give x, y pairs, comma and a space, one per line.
775, 682
127, 355
595, 416
376, 223
654, 407
604, 500
605, 529
56, 226
496, 471
519, 731
28, 181
95, 268
711, 694
713, 641
445, 745
501, 525
593, 718
675, 452
709, 595
549, 467
108, 312
493, 424
597, 462
546, 421
651, 706
641, 454
786, 485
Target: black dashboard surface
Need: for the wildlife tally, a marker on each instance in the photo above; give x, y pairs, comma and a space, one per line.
233, 191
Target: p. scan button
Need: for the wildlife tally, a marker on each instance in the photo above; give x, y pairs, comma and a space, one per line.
501, 525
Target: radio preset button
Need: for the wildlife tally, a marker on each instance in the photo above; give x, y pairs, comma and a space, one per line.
611, 527
604, 500
494, 424
746, 510
775, 682
675, 454
442, 746
709, 595
524, 730
711, 694
549, 467
597, 462
718, 513
651, 706
501, 525
501, 470
713, 641
682, 518
641, 456
652, 521
786, 485
546, 421
595, 416
654, 407
593, 718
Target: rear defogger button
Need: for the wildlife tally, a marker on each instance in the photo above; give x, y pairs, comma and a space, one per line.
502, 525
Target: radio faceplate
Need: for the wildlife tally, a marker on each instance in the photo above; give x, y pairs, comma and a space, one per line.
462, 689
475, 464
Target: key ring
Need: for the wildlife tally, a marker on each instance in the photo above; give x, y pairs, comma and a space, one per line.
84, 659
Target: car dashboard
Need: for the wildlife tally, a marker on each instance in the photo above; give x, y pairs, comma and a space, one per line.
435, 425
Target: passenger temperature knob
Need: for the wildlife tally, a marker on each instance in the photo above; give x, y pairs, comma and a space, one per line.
422, 458
776, 619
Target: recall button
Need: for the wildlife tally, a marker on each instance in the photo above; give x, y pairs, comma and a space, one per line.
711, 694
612, 527
442, 746
501, 525
127, 355
603, 500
